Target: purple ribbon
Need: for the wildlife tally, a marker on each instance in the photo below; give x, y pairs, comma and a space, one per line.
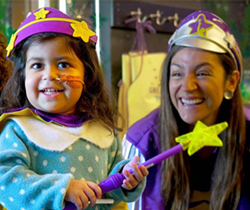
140, 41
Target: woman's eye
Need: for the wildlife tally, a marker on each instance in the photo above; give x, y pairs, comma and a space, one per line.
63, 65
204, 73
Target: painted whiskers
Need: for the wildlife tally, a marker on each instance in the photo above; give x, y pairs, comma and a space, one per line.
72, 81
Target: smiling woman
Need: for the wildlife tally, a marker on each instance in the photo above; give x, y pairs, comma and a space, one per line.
197, 84
200, 82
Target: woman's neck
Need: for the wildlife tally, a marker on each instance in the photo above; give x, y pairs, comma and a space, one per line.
205, 152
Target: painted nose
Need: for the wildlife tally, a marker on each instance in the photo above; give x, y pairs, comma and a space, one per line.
50, 74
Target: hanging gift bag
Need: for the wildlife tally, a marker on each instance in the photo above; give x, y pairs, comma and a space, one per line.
144, 92
123, 92
139, 91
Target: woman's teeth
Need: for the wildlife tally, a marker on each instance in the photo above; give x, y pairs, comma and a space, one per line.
191, 102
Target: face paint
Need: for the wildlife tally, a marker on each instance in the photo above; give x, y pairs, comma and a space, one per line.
72, 81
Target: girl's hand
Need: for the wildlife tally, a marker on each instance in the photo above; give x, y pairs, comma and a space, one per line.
82, 192
132, 181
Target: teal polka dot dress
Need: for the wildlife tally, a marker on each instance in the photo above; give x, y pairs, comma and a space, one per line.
37, 163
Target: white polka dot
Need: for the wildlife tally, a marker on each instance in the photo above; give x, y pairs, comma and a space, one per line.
70, 148
14, 180
62, 190
113, 154
62, 159
54, 172
22, 191
24, 154
73, 169
90, 169
6, 135
11, 199
87, 146
83, 178
28, 175
96, 158
35, 153
22, 209
109, 165
3, 204
119, 152
80, 158
15, 144
2, 187
45, 162
32, 201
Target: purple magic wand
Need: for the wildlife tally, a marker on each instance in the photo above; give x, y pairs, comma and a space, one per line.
115, 181
201, 136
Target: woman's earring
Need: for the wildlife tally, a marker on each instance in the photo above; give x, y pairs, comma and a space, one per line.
228, 94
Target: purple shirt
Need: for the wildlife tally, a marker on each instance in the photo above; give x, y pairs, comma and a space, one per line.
143, 135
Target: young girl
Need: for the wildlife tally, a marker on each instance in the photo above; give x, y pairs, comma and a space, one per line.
59, 142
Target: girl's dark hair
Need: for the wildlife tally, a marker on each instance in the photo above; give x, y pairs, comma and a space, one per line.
96, 100
5, 67
175, 172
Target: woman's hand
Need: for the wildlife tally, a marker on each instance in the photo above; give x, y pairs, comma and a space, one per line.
132, 181
82, 192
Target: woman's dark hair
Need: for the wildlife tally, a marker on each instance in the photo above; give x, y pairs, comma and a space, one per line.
175, 171
96, 100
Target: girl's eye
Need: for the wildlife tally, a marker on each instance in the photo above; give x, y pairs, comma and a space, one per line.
175, 74
36, 66
63, 65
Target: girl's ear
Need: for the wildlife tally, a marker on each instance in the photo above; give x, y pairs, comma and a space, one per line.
232, 81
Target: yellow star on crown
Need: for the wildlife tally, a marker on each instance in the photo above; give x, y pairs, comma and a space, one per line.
201, 136
41, 14
200, 26
11, 44
82, 30
229, 38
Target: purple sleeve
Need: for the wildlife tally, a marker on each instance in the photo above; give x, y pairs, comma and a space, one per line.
244, 203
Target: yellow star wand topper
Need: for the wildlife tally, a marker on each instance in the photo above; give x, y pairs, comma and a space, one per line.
201, 136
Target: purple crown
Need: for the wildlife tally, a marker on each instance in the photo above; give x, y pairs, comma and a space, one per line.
204, 30
49, 19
